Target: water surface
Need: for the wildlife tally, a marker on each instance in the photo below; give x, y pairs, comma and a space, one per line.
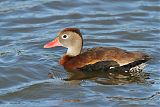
26, 26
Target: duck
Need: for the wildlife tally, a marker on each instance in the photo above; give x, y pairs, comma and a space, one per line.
97, 58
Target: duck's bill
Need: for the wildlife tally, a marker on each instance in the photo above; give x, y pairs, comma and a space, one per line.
53, 43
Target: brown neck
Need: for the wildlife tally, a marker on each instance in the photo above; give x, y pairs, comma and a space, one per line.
64, 59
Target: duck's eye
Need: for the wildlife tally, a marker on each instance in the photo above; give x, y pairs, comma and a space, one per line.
64, 36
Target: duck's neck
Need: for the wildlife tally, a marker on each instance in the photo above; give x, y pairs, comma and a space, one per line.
74, 50
64, 59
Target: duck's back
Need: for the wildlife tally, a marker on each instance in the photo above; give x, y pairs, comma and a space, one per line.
99, 54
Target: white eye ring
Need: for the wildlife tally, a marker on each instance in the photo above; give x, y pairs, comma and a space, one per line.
64, 36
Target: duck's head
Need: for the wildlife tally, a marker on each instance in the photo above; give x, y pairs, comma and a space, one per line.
70, 38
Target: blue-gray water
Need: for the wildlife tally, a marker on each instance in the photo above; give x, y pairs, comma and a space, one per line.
25, 26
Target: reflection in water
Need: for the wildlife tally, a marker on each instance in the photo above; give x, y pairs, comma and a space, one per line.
107, 77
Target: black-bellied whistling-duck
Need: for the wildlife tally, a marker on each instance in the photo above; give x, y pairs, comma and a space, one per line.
95, 58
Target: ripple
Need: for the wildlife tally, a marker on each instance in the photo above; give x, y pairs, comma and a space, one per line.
11, 6
151, 8
157, 94
26, 26
21, 87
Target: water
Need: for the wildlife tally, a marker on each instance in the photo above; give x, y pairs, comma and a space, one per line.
26, 26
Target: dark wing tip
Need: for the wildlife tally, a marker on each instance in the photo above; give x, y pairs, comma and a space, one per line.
100, 66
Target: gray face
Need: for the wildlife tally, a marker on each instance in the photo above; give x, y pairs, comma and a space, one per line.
70, 39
